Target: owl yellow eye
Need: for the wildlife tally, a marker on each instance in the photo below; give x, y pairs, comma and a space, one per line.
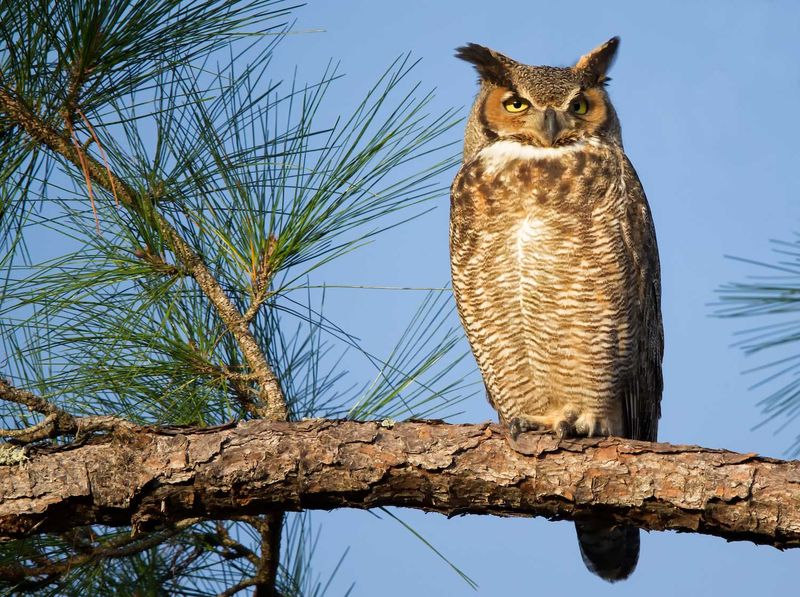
516, 104
579, 106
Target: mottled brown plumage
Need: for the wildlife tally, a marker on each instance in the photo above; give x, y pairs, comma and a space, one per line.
555, 265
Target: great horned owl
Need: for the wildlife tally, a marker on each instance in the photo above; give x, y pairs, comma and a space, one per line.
555, 265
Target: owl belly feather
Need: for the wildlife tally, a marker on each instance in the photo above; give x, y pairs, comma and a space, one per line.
540, 280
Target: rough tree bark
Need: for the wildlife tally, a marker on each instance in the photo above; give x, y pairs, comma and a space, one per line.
153, 477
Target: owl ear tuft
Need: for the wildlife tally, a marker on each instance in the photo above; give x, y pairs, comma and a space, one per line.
596, 63
491, 66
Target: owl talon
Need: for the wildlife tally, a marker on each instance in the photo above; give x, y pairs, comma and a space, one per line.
564, 429
520, 425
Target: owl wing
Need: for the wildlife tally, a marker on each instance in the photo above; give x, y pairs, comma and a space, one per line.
642, 391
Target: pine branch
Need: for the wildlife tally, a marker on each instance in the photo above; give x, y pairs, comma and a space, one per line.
25, 577
153, 478
269, 528
271, 404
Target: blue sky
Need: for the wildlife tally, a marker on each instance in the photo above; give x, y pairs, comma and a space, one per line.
707, 94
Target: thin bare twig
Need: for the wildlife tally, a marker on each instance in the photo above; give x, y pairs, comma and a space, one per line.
229, 547
26, 398
239, 586
38, 431
57, 422
55, 418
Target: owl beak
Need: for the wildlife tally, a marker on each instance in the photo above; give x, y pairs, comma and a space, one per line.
551, 126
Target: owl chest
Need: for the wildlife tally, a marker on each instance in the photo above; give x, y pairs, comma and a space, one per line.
545, 224
542, 279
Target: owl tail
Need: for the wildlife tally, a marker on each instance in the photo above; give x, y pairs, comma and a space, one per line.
610, 551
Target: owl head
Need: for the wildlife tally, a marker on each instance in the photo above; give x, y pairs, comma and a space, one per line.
544, 106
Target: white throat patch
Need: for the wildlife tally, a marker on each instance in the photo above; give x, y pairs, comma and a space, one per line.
497, 155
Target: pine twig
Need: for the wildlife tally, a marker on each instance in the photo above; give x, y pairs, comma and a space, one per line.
269, 528
261, 279
57, 422
115, 548
231, 548
239, 586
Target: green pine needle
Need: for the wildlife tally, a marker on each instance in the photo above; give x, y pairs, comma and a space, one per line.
773, 298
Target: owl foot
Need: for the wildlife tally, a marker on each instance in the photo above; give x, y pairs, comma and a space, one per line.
562, 428
520, 425
588, 425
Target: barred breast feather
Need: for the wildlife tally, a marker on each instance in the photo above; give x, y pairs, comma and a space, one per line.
556, 288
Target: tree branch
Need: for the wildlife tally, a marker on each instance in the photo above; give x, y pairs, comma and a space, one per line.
271, 395
149, 478
117, 547
57, 422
